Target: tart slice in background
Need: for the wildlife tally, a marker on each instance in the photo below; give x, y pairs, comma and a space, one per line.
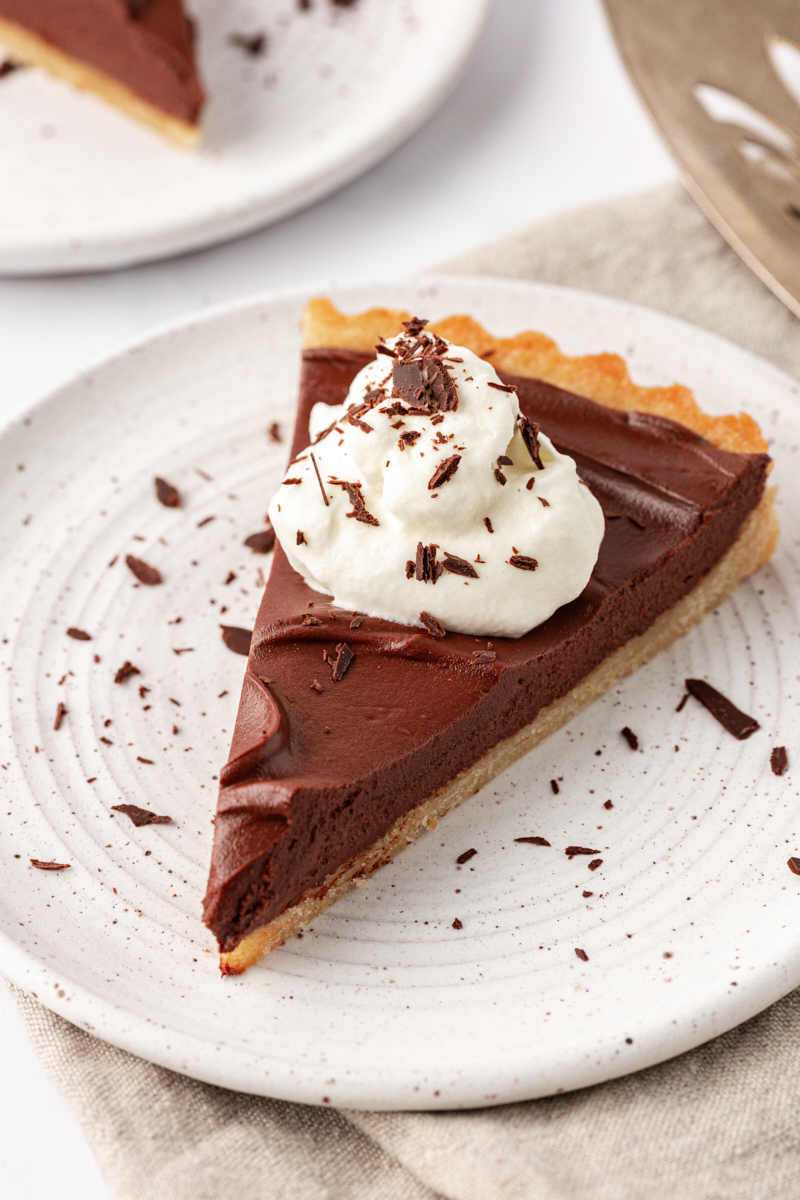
136, 54
341, 758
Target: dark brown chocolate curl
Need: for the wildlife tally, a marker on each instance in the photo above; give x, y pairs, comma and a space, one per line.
408, 381
722, 709
344, 656
127, 669
499, 476
80, 635
778, 760
61, 712
630, 738
261, 542
149, 576
533, 841
49, 866
301, 538
432, 625
595, 863
466, 856
168, 494
530, 436
571, 851
445, 471
523, 562
415, 326
237, 639
488, 524
582, 955
359, 504
141, 816
459, 566
426, 568
457, 924
793, 864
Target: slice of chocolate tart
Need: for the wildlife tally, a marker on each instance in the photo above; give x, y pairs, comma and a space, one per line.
355, 734
136, 54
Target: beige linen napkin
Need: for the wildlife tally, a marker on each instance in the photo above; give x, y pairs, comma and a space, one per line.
719, 1123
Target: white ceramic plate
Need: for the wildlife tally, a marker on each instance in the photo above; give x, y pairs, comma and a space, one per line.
692, 925
335, 90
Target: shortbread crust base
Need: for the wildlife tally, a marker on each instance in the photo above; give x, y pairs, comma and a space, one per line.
750, 551
26, 47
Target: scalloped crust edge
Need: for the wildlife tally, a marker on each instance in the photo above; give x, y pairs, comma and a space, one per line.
602, 377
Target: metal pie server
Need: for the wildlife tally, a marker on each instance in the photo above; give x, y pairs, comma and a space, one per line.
721, 79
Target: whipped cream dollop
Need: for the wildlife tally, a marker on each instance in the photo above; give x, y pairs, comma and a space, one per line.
426, 498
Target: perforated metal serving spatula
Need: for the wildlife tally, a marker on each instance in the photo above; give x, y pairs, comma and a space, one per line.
721, 79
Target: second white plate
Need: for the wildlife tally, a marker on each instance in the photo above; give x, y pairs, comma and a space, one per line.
691, 926
333, 91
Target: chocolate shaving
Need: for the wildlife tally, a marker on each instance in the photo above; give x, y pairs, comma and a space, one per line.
408, 381
533, 841
410, 568
61, 712
502, 387
571, 851
488, 524
301, 538
126, 670
253, 44
793, 864
149, 576
141, 816
542, 501
586, 895
523, 562
484, 656
440, 384
80, 635
457, 924
425, 567
205, 521
309, 620
778, 760
319, 480
445, 471
415, 326
261, 542
344, 656
466, 856
554, 787
731, 718
237, 639
395, 410
357, 622
356, 498
352, 419
595, 863
458, 566
274, 432
316, 686
582, 955
683, 700
293, 480
530, 436
499, 476
381, 349
504, 461
49, 866
168, 494
408, 438
630, 738
149, 761
432, 625
608, 804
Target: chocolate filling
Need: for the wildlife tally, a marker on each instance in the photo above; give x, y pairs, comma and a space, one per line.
145, 45
315, 778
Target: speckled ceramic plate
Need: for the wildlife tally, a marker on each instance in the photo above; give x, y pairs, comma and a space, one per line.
691, 926
333, 91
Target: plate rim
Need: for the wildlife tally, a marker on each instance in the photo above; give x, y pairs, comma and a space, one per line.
155, 1042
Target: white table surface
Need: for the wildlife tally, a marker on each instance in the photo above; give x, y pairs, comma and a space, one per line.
545, 120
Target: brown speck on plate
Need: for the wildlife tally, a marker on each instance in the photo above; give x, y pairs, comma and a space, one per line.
582, 955
126, 670
149, 576
731, 718
571, 851
254, 45
261, 542
630, 738
554, 787
595, 863
778, 760
80, 635
149, 761
167, 493
608, 804
794, 865
274, 432
457, 924
61, 712
237, 639
466, 856
534, 841
141, 816
49, 866
586, 895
